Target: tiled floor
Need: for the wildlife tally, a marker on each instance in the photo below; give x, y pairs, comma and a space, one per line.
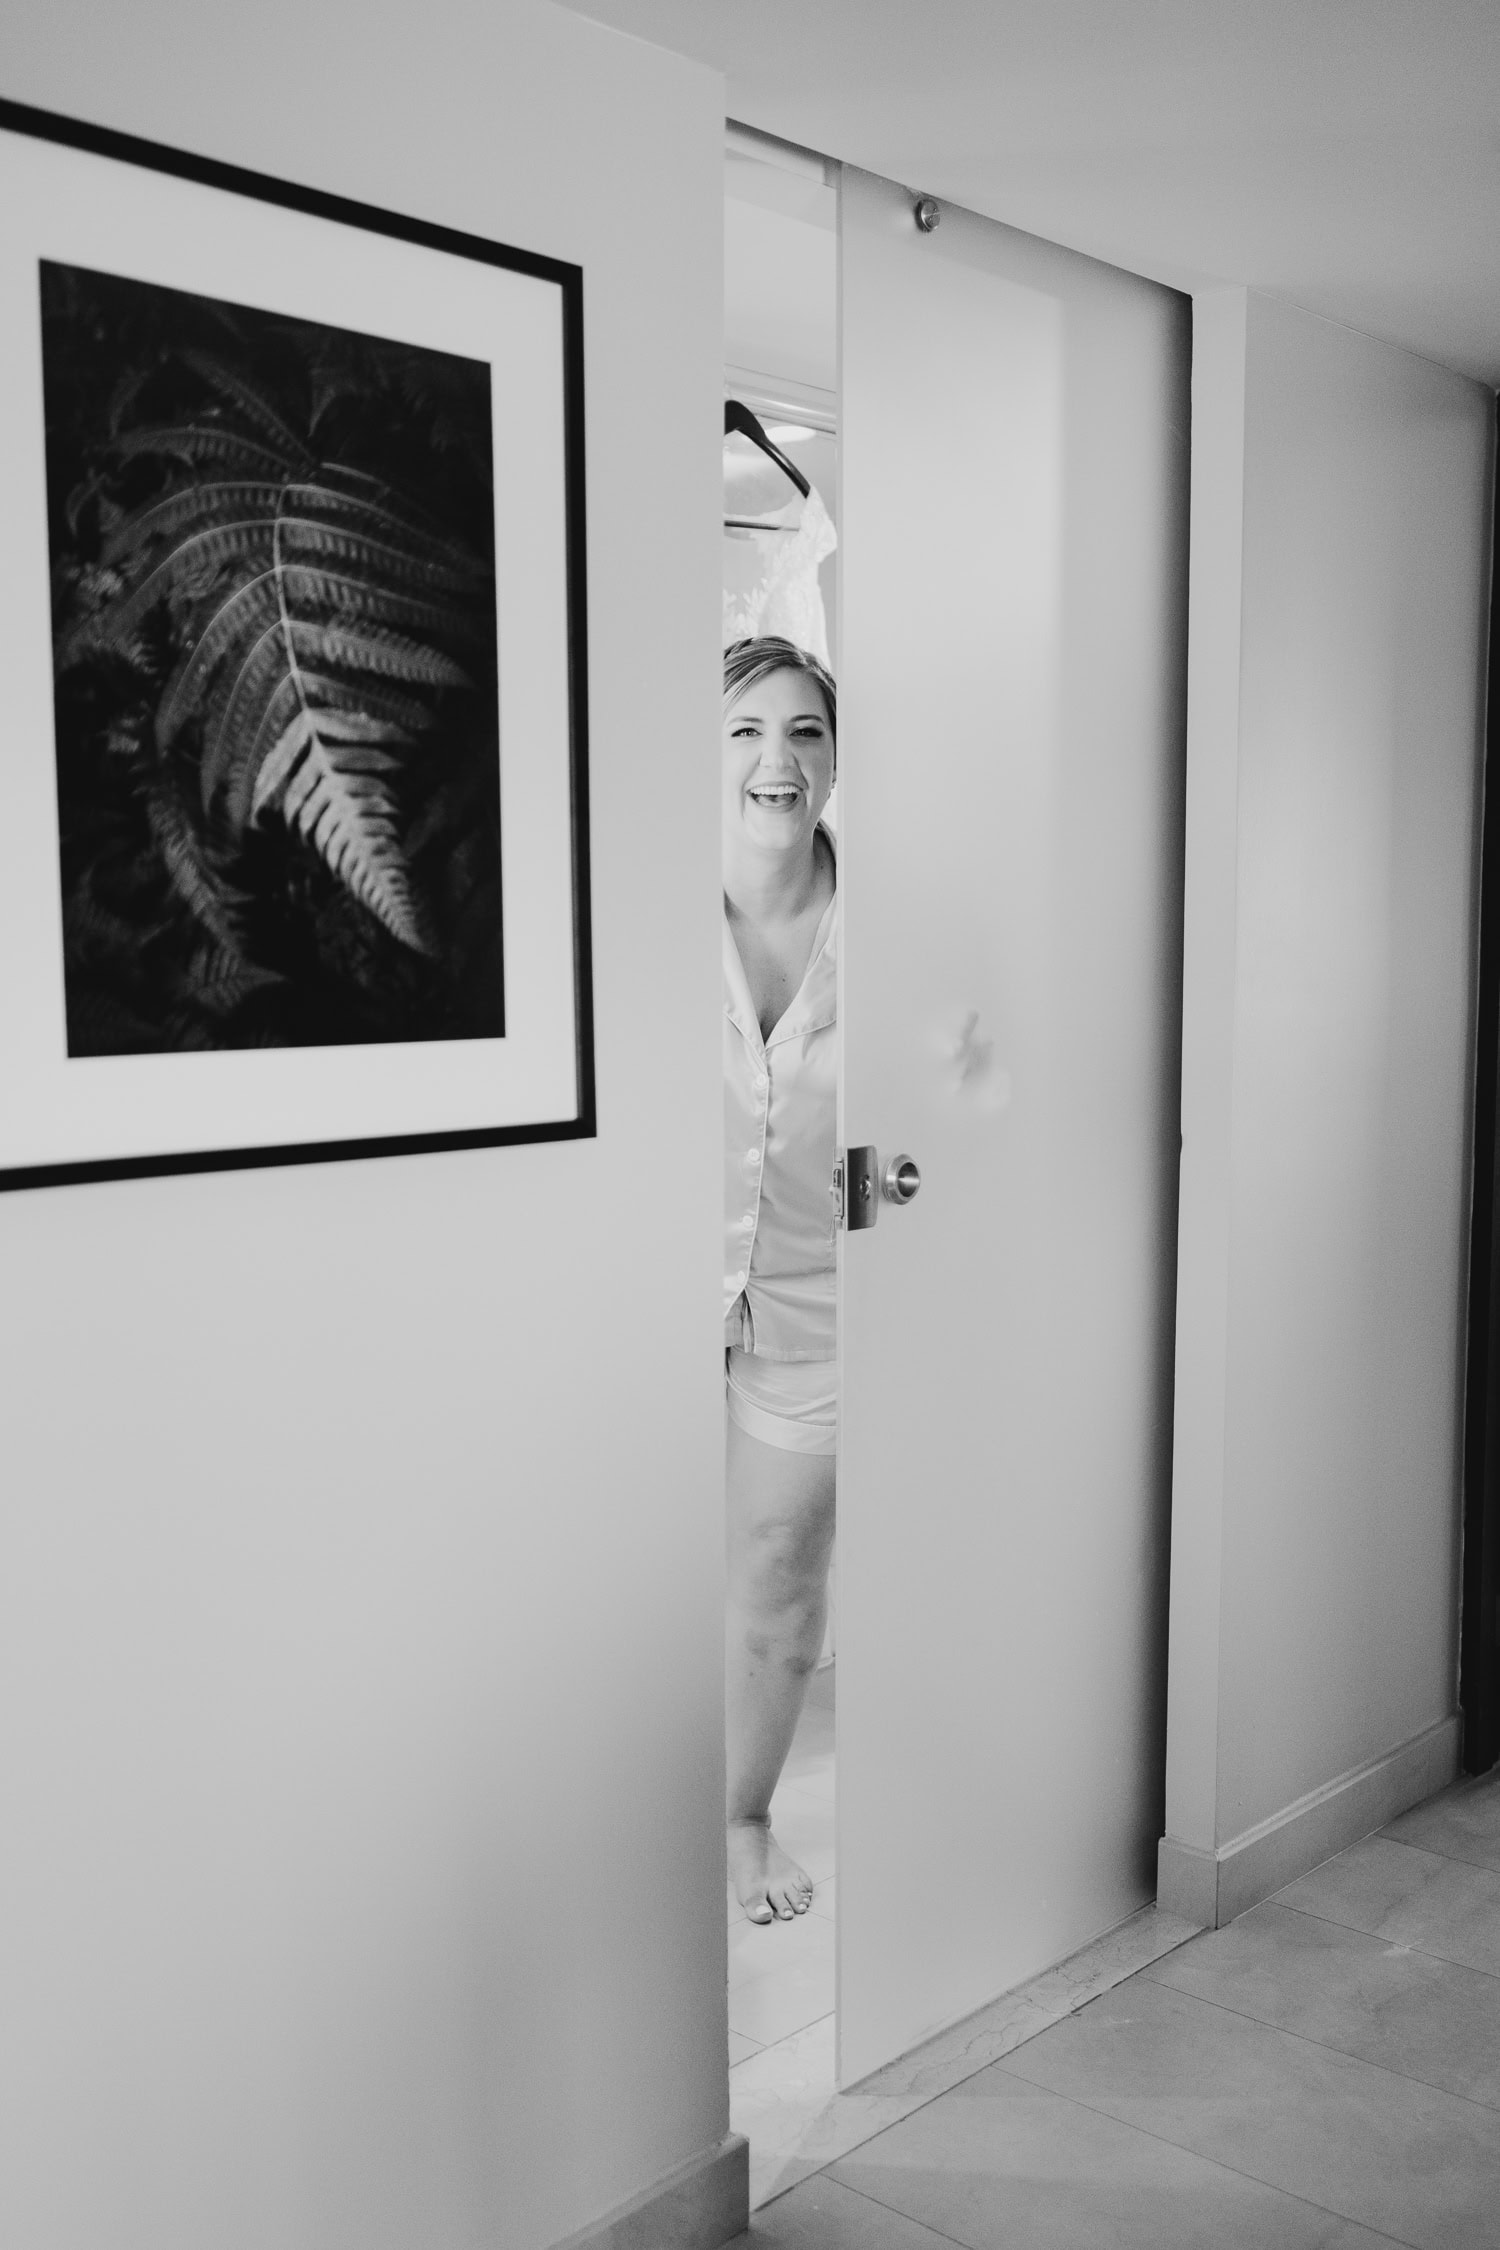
1324, 2074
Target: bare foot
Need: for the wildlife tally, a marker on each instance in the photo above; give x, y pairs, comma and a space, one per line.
769, 1886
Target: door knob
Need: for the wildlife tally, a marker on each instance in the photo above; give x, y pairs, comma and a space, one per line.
861, 1182
900, 1179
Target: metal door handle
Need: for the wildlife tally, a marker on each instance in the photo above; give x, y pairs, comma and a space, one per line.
900, 1180
860, 1183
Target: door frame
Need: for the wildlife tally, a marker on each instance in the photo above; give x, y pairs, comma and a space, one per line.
1479, 1613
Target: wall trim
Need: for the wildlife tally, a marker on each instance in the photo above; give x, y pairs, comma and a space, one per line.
700, 2205
1212, 1887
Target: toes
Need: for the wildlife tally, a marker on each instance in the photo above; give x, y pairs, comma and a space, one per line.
759, 1902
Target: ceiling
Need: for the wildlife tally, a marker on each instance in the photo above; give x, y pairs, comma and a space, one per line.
1342, 154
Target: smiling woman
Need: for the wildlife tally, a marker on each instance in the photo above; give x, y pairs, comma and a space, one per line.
780, 710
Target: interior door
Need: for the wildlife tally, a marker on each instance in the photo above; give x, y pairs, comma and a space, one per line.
1012, 693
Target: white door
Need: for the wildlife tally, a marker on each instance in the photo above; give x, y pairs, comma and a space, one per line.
1013, 519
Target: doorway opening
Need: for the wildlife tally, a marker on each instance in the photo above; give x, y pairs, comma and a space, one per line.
780, 575
1010, 428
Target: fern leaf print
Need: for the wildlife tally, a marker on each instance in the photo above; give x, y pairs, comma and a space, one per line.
276, 677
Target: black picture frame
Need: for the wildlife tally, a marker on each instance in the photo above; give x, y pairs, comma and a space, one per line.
514, 1120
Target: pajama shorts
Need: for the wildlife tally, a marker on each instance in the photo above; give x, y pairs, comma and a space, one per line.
790, 1403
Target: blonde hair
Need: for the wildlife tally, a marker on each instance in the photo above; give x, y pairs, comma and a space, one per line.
746, 662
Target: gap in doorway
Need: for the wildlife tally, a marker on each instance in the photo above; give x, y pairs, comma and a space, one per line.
781, 1973
780, 348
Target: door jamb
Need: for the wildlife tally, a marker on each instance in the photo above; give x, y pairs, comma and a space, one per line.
1479, 1627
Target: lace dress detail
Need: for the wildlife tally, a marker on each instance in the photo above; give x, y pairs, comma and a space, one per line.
771, 576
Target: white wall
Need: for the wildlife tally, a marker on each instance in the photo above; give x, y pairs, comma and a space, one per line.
1339, 584
360, 1550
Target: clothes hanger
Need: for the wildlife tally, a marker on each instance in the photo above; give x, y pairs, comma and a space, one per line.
738, 420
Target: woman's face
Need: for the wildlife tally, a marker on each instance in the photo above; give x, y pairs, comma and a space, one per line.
778, 762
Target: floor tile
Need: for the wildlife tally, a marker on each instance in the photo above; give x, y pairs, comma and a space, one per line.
1462, 1822
813, 1784
1006, 2023
741, 2048
1408, 1897
770, 2007
806, 1769
783, 2101
821, 2215
1405, 2159
1000, 2163
810, 1779
1428, 2019
1322, 2075
764, 1949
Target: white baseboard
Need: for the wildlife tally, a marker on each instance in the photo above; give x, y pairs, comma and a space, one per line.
700, 2206
1212, 1887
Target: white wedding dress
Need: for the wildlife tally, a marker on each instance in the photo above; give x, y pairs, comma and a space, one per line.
771, 576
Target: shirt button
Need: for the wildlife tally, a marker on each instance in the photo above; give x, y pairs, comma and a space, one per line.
747, 1224
739, 1281
761, 1083
752, 1157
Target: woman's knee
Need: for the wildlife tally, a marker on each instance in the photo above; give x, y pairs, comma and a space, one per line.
784, 1559
786, 1633
780, 1581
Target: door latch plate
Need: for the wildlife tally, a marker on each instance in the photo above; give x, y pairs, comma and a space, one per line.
861, 1188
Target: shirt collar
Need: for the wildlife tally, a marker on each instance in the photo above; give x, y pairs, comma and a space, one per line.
814, 1004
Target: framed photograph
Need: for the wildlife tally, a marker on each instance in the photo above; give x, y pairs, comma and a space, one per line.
293, 780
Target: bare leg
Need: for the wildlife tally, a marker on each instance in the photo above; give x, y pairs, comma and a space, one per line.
781, 1510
